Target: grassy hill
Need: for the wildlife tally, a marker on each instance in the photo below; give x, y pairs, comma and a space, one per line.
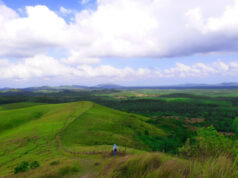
100, 125
45, 133
75, 140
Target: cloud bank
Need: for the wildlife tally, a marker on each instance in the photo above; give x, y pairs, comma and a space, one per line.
45, 67
117, 29
123, 28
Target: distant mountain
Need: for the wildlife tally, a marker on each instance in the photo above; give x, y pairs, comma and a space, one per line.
109, 86
63, 87
228, 84
119, 87
73, 87
181, 86
32, 89
2, 89
192, 84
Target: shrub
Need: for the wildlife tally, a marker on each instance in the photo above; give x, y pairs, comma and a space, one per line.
146, 132
235, 125
34, 165
22, 167
209, 143
37, 115
53, 163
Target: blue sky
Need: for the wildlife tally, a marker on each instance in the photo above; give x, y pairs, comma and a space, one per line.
51, 4
128, 42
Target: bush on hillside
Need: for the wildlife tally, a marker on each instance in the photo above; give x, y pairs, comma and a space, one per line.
235, 125
209, 143
35, 164
53, 163
146, 132
22, 167
37, 115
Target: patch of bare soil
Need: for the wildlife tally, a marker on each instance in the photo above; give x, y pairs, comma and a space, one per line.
227, 133
171, 117
120, 97
145, 95
194, 120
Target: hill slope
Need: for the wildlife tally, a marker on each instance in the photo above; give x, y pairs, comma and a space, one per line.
104, 126
46, 132
153, 165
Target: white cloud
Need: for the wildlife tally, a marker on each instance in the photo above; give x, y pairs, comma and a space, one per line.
221, 66
123, 28
75, 57
118, 28
200, 70
44, 67
84, 1
147, 28
227, 23
37, 66
65, 11
25, 36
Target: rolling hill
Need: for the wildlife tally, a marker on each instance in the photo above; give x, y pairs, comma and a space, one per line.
75, 140
48, 132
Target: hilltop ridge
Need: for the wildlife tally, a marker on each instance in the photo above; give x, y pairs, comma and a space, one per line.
32, 131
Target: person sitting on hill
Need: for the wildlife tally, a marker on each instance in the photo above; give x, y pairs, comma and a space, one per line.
114, 149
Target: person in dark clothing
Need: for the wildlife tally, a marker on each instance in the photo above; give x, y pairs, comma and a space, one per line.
114, 149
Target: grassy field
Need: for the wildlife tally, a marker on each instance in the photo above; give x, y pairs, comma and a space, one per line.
45, 133
29, 133
75, 140
18, 105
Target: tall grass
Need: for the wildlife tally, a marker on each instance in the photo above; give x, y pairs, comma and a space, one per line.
163, 166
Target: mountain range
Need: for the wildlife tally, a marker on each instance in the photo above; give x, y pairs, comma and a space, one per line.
120, 87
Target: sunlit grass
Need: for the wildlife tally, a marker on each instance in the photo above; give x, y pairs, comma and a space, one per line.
161, 165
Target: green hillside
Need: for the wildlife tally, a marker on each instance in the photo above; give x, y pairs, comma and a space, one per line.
45, 133
104, 126
18, 105
75, 140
